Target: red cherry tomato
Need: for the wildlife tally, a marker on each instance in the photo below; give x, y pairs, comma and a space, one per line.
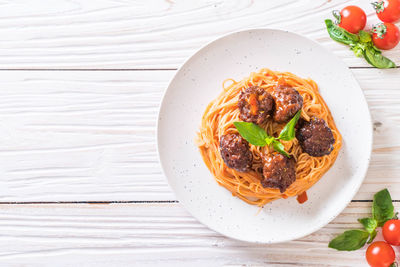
380, 254
391, 232
387, 10
351, 18
385, 35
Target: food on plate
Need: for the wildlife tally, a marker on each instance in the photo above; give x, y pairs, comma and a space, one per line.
235, 152
387, 10
287, 102
279, 171
351, 18
385, 35
257, 157
361, 44
315, 137
391, 232
255, 105
302, 197
380, 254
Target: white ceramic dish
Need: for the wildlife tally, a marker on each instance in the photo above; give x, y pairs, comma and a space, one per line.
199, 81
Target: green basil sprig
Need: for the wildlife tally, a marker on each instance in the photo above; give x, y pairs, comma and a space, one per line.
339, 34
360, 44
253, 133
288, 132
349, 240
280, 148
376, 59
382, 211
382, 207
369, 224
364, 36
257, 136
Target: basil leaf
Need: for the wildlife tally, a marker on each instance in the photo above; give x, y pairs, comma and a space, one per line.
382, 207
369, 224
372, 237
253, 133
287, 132
376, 59
269, 140
280, 148
339, 34
375, 48
358, 49
349, 240
365, 37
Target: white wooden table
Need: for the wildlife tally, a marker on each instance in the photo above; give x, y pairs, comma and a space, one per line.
80, 86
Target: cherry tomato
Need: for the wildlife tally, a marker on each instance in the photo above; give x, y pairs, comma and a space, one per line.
387, 10
351, 18
380, 254
385, 35
391, 232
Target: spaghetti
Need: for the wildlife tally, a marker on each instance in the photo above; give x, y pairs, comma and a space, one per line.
218, 120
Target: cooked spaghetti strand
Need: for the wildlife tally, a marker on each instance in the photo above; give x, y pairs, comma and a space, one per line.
218, 120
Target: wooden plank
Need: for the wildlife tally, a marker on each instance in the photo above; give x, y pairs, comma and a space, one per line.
90, 136
80, 136
384, 106
150, 34
151, 234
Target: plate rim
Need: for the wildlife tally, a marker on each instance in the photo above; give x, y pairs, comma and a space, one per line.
317, 226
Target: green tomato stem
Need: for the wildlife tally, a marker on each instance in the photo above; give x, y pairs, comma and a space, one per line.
337, 16
378, 6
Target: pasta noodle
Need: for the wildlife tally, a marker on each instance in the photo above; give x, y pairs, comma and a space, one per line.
218, 120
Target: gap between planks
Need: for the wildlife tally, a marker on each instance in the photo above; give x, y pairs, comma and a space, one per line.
134, 69
125, 202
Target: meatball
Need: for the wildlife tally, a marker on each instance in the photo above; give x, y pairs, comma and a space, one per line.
255, 105
235, 152
315, 137
287, 102
279, 171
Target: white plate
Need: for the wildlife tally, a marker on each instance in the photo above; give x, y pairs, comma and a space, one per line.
199, 81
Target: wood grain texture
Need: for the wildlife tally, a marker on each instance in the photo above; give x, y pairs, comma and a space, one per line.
153, 235
90, 136
150, 34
